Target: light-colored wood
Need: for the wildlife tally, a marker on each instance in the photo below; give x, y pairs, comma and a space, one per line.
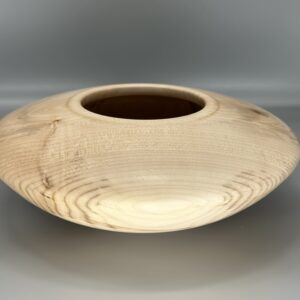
144, 175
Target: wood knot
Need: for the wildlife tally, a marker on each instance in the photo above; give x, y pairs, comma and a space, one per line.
46, 181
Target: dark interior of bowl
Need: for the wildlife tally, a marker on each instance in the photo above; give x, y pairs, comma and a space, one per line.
143, 107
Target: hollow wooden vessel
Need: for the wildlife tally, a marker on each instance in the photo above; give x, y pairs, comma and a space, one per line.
144, 157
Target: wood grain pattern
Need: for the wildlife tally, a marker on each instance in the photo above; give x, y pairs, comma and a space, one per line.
144, 175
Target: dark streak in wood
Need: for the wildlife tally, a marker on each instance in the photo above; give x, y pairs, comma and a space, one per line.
105, 186
259, 112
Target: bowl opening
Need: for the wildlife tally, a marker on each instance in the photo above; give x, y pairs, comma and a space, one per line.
143, 103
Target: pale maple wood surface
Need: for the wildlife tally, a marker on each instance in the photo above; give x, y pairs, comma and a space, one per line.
144, 175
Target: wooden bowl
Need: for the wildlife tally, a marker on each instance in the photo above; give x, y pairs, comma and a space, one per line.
144, 157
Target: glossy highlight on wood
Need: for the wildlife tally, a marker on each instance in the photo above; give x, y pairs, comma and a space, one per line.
144, 157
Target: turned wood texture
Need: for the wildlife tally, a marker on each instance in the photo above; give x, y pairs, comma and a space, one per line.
144, 175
